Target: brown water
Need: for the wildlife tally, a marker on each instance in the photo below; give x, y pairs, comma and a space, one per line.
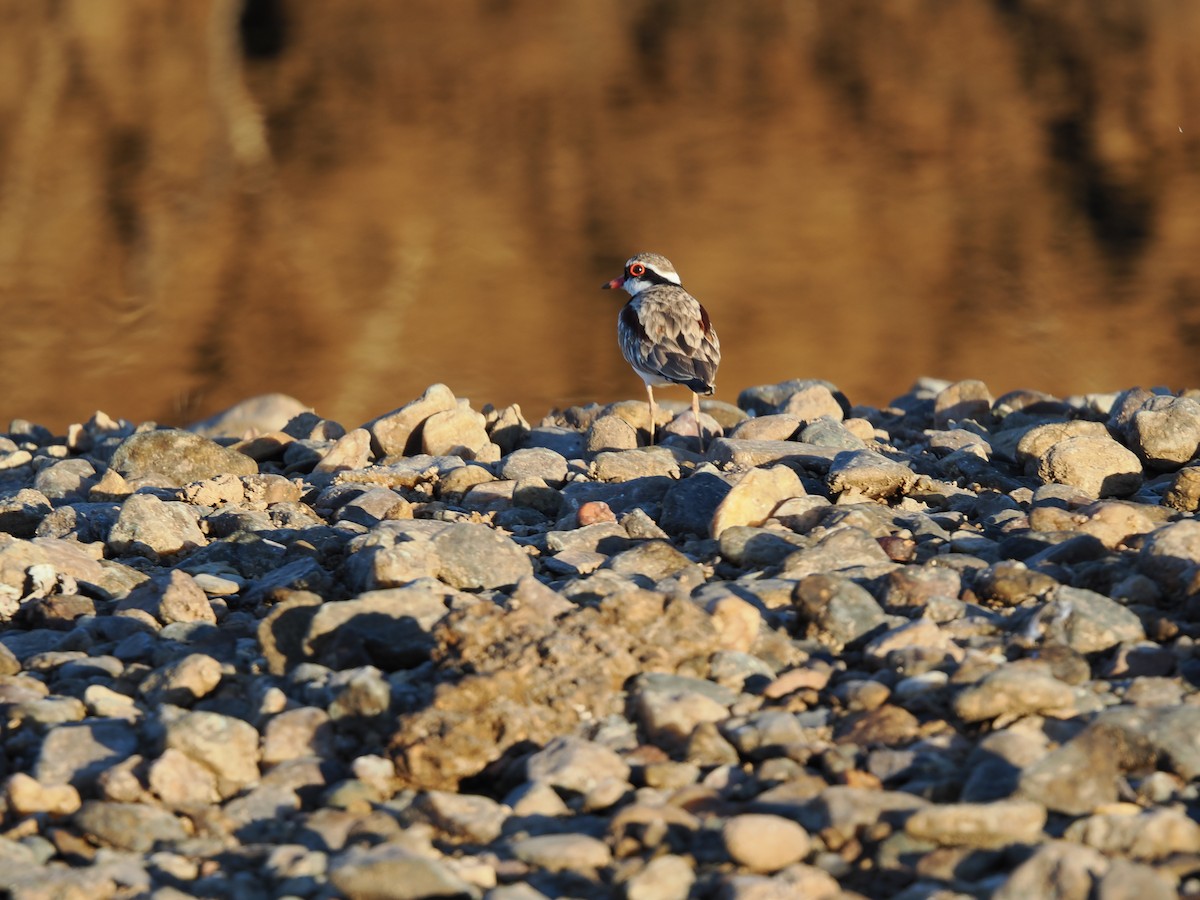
348, 201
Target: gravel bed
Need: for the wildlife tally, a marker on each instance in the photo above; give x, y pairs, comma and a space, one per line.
944, 649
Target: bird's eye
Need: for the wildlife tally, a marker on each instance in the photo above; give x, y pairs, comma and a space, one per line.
637, 270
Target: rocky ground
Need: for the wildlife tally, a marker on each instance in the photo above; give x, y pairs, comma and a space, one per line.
944, 649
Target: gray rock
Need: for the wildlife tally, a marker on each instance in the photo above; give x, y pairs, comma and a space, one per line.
21, 511
567, 442
1095, 464
535, 462
610, 433
128, 826
389, 628
474, 556
764, 843
576, 765
398, 432
359, 693
755, 497
174, 597
1170, 556
961, 401
689, 505
774, 427
667, 877
1057, 870
980, 825
1088, 622
1018, 689
225, 745
826, 432
464, 817
174, 458
63, 481
182, 681
351, 451
653, 561
1165, 431
836, 609
670, 707
629, 465
869, 474
1129, 879
458, 432
397, 873
563, 852
816, 401
765, 399
148, 526
77, 753
1148, 836
746, 454
296, 733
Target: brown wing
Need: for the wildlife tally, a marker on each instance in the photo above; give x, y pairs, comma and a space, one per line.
675, 338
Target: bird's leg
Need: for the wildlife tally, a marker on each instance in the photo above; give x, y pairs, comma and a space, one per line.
696, 416
650, 394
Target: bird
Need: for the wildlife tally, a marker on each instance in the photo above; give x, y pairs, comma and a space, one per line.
664, 332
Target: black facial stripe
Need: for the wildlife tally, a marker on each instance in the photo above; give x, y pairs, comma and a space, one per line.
652, 276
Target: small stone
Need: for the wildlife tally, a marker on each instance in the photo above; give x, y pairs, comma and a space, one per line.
576, 765
1165, 431
594, 512
837, 608
172, 598
979, 825
296, 733
811, 403
462, 816
455, 432
255, 415
474, 556
1090, 622
351, 451
563, 852
1096, 465
148, 526
227, 746
1017, 689
27, 796
398, 433
869, 474
128, 826
764, 843
174, 458
183, 681
76, 753
670, 707
961, 401
1057, 869
181, 782
776, 427
755, 497
397, 873
664, 878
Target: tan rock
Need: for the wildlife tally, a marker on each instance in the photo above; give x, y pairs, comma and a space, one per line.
752, 500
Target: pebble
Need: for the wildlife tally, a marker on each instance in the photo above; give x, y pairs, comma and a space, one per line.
563, 852
764, 843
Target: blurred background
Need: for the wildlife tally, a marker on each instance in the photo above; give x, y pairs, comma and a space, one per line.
202, 200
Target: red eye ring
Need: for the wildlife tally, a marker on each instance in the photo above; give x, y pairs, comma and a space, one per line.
637, 270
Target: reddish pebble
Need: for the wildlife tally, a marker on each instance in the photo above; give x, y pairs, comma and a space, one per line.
595, 511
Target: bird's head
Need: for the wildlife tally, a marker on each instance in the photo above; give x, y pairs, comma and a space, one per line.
643, 271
